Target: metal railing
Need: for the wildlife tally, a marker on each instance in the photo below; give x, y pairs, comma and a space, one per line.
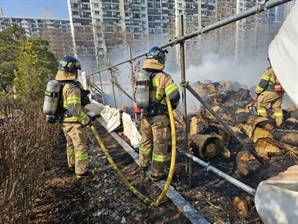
184, 84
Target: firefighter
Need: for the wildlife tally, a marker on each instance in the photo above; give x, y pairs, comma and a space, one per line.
75, 121
154, 124
270, 91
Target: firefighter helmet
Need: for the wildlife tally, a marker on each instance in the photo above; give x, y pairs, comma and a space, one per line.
69, 64
158, 54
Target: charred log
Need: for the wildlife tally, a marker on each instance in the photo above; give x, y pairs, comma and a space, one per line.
197, 125
265, 132
291, 124
265, 147
242, 95
219, 130
286, 136
246, 164
206, 146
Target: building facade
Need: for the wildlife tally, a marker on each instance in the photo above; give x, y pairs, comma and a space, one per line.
56, 31
33, 25
100, 28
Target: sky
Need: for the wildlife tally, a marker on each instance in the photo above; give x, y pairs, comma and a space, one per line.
35, 8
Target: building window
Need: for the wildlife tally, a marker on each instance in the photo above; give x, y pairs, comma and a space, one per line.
85, 7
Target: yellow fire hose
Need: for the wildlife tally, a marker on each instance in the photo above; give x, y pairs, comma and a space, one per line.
173, 156
172, 165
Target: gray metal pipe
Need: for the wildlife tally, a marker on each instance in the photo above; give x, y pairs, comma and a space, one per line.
222, 174
103, 100
252, 11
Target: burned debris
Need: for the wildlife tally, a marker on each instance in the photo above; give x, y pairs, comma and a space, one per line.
207, 137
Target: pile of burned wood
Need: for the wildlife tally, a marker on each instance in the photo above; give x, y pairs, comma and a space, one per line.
232, 102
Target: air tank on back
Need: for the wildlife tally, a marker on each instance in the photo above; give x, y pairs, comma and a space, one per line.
51, 99
143, 84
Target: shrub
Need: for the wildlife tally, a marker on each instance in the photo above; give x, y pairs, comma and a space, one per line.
26, 144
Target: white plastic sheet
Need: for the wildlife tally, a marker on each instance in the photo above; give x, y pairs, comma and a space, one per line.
130, 130
114, 121
95, 107
276, 199
283, 53
107, 112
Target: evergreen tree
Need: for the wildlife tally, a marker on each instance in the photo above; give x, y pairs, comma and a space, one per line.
9, 45
36, 65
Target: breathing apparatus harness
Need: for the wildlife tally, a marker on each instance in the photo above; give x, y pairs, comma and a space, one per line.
143, 88
53, 102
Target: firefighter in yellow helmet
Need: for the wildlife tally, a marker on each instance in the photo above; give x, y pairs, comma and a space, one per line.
270, 91
154, 124
75, 120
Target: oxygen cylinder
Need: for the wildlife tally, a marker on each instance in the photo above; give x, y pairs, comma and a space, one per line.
137, 110
143, 84
51, 99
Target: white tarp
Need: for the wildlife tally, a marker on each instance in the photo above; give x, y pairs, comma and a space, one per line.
130, 130
276, 199
114, 121
95, 107
283, 53
82, 78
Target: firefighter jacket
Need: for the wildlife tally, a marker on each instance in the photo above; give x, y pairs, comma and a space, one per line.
72, 104
71, 95
162, 85
269, 82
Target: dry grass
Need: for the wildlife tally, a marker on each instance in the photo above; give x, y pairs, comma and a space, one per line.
26, 144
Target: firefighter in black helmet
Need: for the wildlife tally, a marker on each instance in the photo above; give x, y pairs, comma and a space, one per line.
75, 119
154, 127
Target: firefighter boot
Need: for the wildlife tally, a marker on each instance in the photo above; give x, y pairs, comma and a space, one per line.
86, 175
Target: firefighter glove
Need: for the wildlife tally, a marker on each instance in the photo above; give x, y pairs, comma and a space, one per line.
51, 119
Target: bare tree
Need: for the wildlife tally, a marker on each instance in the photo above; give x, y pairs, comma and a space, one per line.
60, 41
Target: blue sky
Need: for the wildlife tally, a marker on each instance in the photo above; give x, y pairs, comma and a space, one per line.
34, 8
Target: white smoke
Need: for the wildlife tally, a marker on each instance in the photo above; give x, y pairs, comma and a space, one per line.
217, 69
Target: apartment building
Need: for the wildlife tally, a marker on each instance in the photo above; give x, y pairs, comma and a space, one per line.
56, 31
33, 25
100, 27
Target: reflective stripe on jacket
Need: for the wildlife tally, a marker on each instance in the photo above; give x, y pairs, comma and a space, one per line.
162, 83
269, 82
72, 103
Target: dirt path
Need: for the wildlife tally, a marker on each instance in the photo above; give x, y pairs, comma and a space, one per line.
104, 199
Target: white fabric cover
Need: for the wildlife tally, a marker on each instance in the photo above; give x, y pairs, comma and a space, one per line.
276, 199
95, 107
114, 121
107, 112
283, 53
130, 130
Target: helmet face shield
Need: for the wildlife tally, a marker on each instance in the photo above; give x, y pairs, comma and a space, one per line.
69, 64
158, 54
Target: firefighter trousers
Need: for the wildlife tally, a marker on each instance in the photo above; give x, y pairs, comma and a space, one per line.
275, 99
76, 147
154, 143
